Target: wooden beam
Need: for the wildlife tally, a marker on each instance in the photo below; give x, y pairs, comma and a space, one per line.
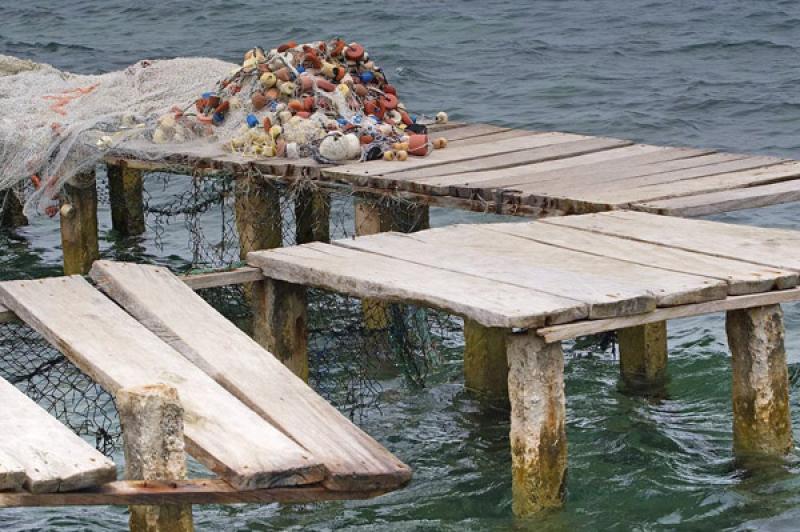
196, 491
582, 328
246, 274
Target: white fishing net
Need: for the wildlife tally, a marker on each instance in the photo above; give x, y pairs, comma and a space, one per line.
52, 120
325, 100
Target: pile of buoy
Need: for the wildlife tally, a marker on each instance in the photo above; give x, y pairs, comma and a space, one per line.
327, 100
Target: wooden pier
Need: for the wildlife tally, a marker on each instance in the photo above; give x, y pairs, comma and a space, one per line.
534, 284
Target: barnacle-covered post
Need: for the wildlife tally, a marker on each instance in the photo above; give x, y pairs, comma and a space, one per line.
152, 429
538, 411
126, 190
643, 358
485, 362
11, 214
312, 214
762, 424
79, 239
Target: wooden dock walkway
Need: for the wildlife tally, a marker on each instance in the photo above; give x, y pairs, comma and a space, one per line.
247, 417
538, 283
529, 173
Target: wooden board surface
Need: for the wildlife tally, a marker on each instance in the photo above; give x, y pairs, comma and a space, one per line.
742, 277
12, 473
489, 302
599, 281
777, 248
52, 457
117, 352
170, 309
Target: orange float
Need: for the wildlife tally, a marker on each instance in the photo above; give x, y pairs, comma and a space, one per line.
418, 145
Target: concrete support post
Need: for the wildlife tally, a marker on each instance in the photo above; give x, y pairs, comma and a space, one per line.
485, 361
643, 358
280, 325
538, 411
152, 428
258, 214
79, 240
11, 215
374, 216
762, 425
126, 194
312, 214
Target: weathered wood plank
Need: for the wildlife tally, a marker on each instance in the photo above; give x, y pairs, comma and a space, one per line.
492, 137
200, 491
360, 173
12, 473
53, 458
181, 318
582, 328
778, 248
495, 162
725, 200
469, 132
742, 277
6, 315
245, 274
118, 352
352, 272
597, 280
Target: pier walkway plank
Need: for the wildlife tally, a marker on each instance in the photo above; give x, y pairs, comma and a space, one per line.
173, 311
622, 265
529, 173
40, 454
117, 352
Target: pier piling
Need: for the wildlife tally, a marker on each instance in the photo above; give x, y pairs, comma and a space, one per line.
280, 325
643, 358
485, 362
126, 194
152, 425
312, 213
79, 239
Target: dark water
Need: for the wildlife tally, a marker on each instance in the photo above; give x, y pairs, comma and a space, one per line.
719, 74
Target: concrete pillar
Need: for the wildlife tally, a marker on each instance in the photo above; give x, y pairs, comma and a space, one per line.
152, 429
312, 214
79, 240
643, 358
485, 361
258, 214
126, 194
280, 325
11, 210
538, 411
377, 215
762, 425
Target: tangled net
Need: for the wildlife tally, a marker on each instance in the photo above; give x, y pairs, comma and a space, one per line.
326, 100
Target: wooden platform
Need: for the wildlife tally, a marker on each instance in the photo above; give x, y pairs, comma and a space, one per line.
247, 417
593, 270
530, 173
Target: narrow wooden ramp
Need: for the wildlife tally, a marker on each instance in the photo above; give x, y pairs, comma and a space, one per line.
40, 454
169, 308
118, 352
621, 266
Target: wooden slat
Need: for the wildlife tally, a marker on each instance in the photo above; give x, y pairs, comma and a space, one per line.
742, 277
117, 352
170, 309
200, 491
470, 131
53, 458
607, 283
586, 169
777, 248
492, 137
359, 173
725, 200
568, 331
495, 162
198, 281
366, 275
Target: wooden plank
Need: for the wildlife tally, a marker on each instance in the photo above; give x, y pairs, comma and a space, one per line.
778, 248
198, 281
742, 277
495, 162
184, 320
725, 200
118, 352
52, 457
196, 491
567, 273
12, 473
352, 272
6, 315
568, 331
492, 137
360, 173
469, 131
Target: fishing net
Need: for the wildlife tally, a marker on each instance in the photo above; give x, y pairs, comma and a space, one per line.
326, 100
